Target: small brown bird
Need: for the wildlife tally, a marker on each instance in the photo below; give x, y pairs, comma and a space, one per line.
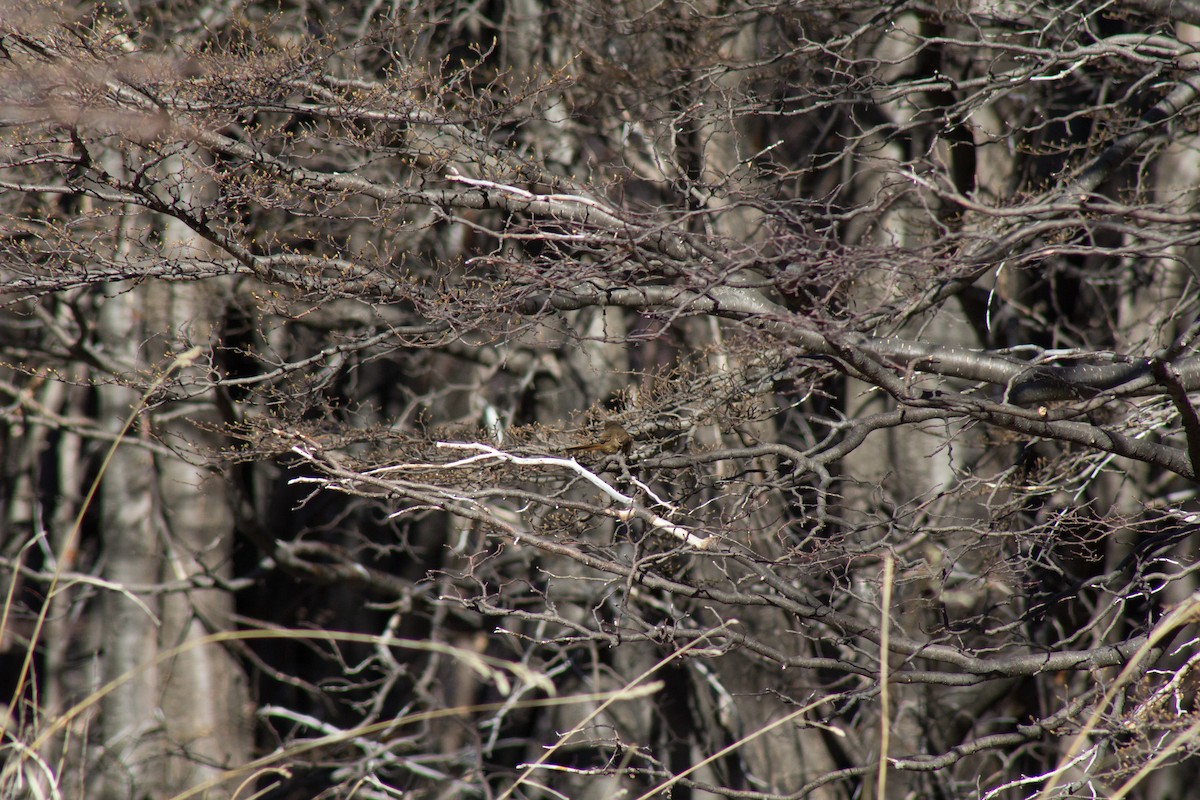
615, 439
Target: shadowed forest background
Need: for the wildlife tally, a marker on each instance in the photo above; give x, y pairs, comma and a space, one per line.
303, 304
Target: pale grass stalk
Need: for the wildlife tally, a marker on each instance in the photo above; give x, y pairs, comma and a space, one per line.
658, 791
885, 617
182, 361
1178, 743
1184, 613
249, 771
888, 576
252, 780
618, 695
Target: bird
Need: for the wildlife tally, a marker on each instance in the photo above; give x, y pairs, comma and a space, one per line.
615, 439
